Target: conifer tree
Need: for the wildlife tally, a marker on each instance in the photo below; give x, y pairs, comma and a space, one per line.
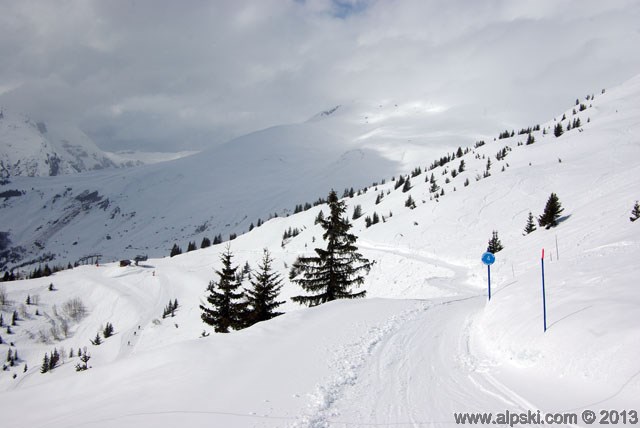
494, 243
84, 358
227, 307
558, 131
635, 212
399, 182
357, 212
410, 203
263, 294
175, 250
407, 186
45, 364
191, 246
434, 188
336, 269
551, 214
530, 226
206, 242
97, 340
55, 358
108, 330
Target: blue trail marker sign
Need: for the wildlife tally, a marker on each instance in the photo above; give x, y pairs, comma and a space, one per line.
488, 259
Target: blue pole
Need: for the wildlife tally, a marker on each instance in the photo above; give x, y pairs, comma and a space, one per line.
489, 279
544, 300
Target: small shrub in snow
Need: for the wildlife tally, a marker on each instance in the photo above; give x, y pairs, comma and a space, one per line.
75, 309
530, 226
97, 340
635, 212
108, 330
494, 243
84, 360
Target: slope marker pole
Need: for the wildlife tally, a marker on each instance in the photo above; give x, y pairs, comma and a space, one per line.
544, 299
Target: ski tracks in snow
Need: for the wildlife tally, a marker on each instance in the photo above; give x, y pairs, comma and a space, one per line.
347, 364
415, 369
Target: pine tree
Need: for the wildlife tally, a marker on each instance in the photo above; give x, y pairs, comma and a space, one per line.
410, 203
434, 188
635, 212
530, 226
530, 139
334, 270
206, 242
357, 212
191, 246
97, 341
558, 131
108, 330
263, 294
494, 243
45, 364
227, 306
551, 214
55, 358
407, 186
175, 250
84, 358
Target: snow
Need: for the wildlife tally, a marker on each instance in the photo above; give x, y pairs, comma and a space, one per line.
424, 343
32, 149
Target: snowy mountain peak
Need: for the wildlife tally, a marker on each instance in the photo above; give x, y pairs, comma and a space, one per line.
30, 148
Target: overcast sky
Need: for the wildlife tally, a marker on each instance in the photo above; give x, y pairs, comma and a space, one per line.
173, 75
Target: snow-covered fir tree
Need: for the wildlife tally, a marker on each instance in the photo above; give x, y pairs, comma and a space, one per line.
336, 269
530, 226
494, 243
226, 304
551, 214
262, 297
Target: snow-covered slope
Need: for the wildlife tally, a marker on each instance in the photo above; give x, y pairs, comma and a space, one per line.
37, 149
222, 190
424, 344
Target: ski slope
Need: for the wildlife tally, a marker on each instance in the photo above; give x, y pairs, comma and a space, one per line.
424, 344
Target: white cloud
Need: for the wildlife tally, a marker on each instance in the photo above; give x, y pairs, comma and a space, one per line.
178, 75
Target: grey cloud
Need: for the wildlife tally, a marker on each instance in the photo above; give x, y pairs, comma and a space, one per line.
164, 75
